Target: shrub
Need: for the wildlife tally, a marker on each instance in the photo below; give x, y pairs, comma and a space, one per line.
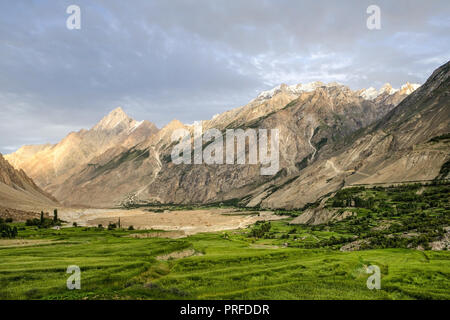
33, 222
7, 231
112, 226
260, 229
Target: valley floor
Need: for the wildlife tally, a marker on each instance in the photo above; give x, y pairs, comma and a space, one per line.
176, 252
184, 220
217, 265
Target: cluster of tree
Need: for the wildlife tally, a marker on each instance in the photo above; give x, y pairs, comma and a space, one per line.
396, 241
422, 222
332, 241
44, 222
7, 231
261, 229
113, 226
354, 201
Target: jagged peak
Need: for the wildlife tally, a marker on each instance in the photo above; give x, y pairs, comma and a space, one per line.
372, 93
113, 119
387, 88
295, 89
174, 124
409, 88
369, 94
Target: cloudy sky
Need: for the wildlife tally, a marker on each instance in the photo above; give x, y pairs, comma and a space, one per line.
189, 60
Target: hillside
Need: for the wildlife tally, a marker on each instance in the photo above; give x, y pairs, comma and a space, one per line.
308, 116
51, 165
18, 191
408, 144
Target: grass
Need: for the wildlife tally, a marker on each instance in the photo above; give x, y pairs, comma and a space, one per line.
280, 261
117, 267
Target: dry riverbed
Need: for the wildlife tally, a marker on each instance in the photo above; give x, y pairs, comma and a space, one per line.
185, 221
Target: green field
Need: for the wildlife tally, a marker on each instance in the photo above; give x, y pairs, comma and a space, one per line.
117, 267
264, 261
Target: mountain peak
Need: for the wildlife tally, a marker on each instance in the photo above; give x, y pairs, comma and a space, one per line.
113, 119
295, 89
409, 88
372, 93
367, 94
174, 124
387, 88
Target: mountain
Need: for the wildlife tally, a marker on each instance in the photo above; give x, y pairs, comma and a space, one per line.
18, 191
409, 143
312, 118
51, 165
121, 160
112, 164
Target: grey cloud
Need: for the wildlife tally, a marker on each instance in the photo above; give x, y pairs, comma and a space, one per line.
192, 59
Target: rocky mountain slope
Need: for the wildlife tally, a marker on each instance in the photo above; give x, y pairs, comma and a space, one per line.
330, 137
120, 160
18, 191
410, 143
51, 165
314, 118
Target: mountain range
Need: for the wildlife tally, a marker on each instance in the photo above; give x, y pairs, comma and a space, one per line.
330, 137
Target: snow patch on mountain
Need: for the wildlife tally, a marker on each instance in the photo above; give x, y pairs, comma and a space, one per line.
367, 94
372, 93
295, 89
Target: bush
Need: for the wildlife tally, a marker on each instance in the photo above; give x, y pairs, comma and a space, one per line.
42, 222
7, 231
33, 222
112, 226
260, 230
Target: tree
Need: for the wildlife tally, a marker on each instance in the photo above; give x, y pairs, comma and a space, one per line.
42, 217
112, 226
55, 215
7, 231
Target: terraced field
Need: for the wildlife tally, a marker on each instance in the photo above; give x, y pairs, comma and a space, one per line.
395, 228
230, 267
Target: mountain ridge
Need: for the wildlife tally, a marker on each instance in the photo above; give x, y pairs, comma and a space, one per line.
398, 147
18, 191
310, 118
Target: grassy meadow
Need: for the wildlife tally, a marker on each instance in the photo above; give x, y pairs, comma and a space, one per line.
273, 260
